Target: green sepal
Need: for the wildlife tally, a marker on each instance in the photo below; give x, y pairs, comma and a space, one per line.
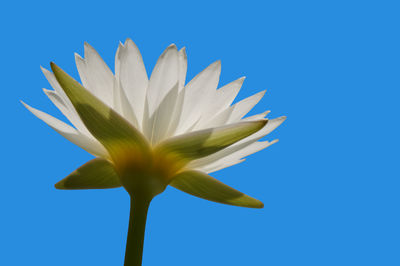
204, 186
116, 134
198, 144
96, 174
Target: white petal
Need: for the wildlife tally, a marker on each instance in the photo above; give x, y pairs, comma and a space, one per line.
90, 145
161, 119
235, 156
82, 70
218, 112
220, 102
228, 93
117, 97
198, 93
257, 116
182, 67
175, 115
268, 128
122, 105
55, 85
72, 116
95, 75
217, 121
242, 144
163, 78
216, 167
58, 102
241, 108
132, 75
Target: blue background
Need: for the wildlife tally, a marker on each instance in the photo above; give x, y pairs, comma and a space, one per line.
330, 186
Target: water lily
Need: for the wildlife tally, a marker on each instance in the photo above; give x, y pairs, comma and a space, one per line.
148, 133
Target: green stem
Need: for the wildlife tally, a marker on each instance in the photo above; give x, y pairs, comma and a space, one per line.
137, 225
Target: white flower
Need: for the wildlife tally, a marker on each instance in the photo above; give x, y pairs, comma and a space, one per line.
132, 123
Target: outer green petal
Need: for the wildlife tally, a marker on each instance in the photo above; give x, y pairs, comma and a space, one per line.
202, 143
95, 174
113, 131
204, 186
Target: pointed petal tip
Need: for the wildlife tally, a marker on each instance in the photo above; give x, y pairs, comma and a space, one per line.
30, 108
260, 206
182, 51
78, 57
263, 122
59, 185
45, 71
169, 49
254, 204
27, 106
120, 51
265, 113
54, 67
130, 43
46, 91
86, 44
204, 186
215, 66
274, 141
171, 46
88, 49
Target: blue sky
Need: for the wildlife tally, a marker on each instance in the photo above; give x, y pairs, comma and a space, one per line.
330, 185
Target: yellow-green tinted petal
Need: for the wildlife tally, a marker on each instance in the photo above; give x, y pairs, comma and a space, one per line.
202, 143
95, 174
116, 134
204, 186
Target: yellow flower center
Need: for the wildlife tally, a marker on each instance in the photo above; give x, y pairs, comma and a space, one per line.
149, 173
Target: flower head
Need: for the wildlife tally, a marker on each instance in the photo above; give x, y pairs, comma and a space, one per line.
147, 133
